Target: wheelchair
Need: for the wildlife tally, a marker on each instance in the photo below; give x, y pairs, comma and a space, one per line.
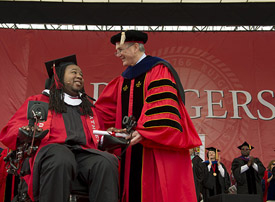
26, 148
79, 192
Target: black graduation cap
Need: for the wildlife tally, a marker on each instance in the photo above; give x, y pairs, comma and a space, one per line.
246, 144
130, 36
212, 149
58, 62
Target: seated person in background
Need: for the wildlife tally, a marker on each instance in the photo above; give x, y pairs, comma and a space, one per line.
69, 150
248, 171
217, 180
269, 182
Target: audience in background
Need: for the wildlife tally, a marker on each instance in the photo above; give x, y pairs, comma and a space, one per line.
268, 182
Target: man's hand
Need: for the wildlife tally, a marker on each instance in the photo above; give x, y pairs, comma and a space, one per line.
135, 138
115, 130
28, 128
25, 134
251, 161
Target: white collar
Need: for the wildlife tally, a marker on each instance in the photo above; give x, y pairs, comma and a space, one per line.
141, 58
72, 100
68, 99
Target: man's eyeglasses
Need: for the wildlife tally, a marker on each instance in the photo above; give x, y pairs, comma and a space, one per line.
119, 50
245, 149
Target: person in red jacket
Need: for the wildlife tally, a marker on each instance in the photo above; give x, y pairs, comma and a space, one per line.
69, 151
157, 165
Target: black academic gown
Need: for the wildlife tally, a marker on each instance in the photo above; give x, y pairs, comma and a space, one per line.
199, 174
214, 184
248, 182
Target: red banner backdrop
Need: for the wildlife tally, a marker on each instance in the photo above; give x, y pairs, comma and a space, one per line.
228, 77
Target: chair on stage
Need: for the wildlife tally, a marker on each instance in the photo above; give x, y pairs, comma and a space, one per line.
79, 192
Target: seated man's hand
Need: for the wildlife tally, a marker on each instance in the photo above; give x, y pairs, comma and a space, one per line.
25, 134
116, 130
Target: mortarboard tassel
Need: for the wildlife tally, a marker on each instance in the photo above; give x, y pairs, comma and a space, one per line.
249, 147
122, 39
57, 82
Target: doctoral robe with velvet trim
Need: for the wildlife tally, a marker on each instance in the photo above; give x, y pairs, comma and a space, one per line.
214, 184
57, 134
250, 181
158, 169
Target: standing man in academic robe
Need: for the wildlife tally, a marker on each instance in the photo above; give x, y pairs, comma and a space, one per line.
216, 180
157, 165
199, 171
248, 171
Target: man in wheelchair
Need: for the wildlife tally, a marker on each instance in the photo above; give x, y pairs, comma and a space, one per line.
53, 144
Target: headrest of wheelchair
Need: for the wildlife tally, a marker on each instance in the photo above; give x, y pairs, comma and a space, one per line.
48, 83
